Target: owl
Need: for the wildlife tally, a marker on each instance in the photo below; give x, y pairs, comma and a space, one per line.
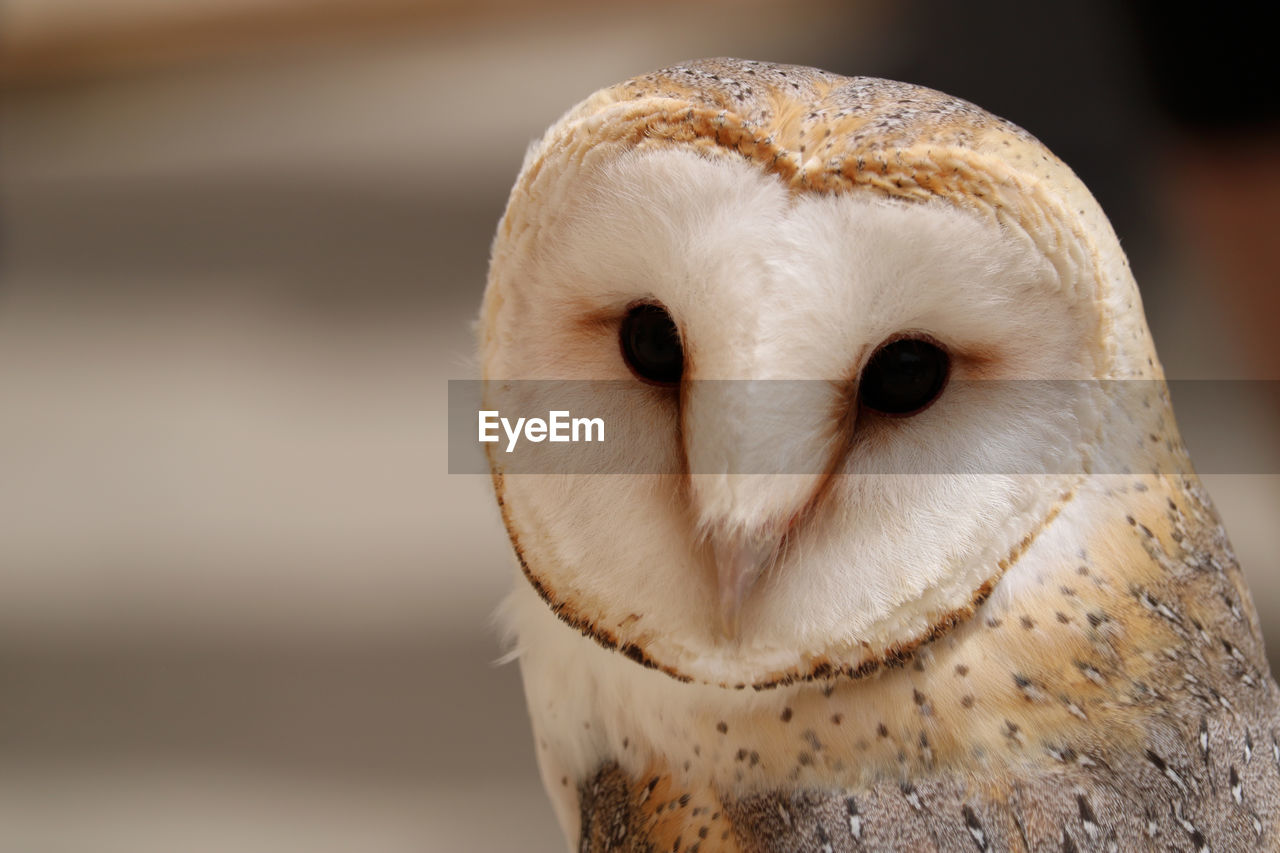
896, 545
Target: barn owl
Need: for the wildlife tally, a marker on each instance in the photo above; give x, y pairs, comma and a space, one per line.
890, 586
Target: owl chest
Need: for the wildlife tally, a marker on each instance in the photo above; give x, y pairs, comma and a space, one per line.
1225, 801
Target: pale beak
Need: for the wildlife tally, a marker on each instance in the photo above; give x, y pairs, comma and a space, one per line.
739, 565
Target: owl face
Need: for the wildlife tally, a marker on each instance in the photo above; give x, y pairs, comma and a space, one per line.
835, 451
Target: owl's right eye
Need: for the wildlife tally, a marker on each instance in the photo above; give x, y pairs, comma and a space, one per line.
651, 344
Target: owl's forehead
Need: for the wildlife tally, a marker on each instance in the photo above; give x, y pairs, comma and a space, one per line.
674, 212
821, 134
819, 131
822, 113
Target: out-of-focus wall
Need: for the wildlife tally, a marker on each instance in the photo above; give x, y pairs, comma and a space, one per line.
242, 604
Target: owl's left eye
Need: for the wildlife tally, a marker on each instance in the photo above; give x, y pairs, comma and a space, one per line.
904, 376
651, 344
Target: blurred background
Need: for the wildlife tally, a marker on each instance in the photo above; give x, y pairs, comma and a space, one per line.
243, 605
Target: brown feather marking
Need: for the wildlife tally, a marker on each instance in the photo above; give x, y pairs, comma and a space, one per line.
650, 813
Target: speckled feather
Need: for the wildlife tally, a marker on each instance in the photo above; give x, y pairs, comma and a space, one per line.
1121, 702
1159, 731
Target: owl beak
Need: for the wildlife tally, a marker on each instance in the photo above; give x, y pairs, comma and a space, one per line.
756, 452
739, 565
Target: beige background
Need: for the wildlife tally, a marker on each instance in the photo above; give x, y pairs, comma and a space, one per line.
243, 606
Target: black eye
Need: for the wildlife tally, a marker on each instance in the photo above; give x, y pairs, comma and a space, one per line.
651, 344
904, 377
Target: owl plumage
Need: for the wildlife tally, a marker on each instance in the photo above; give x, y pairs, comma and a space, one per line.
1063, 656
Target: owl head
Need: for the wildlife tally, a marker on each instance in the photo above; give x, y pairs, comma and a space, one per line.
853, 339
